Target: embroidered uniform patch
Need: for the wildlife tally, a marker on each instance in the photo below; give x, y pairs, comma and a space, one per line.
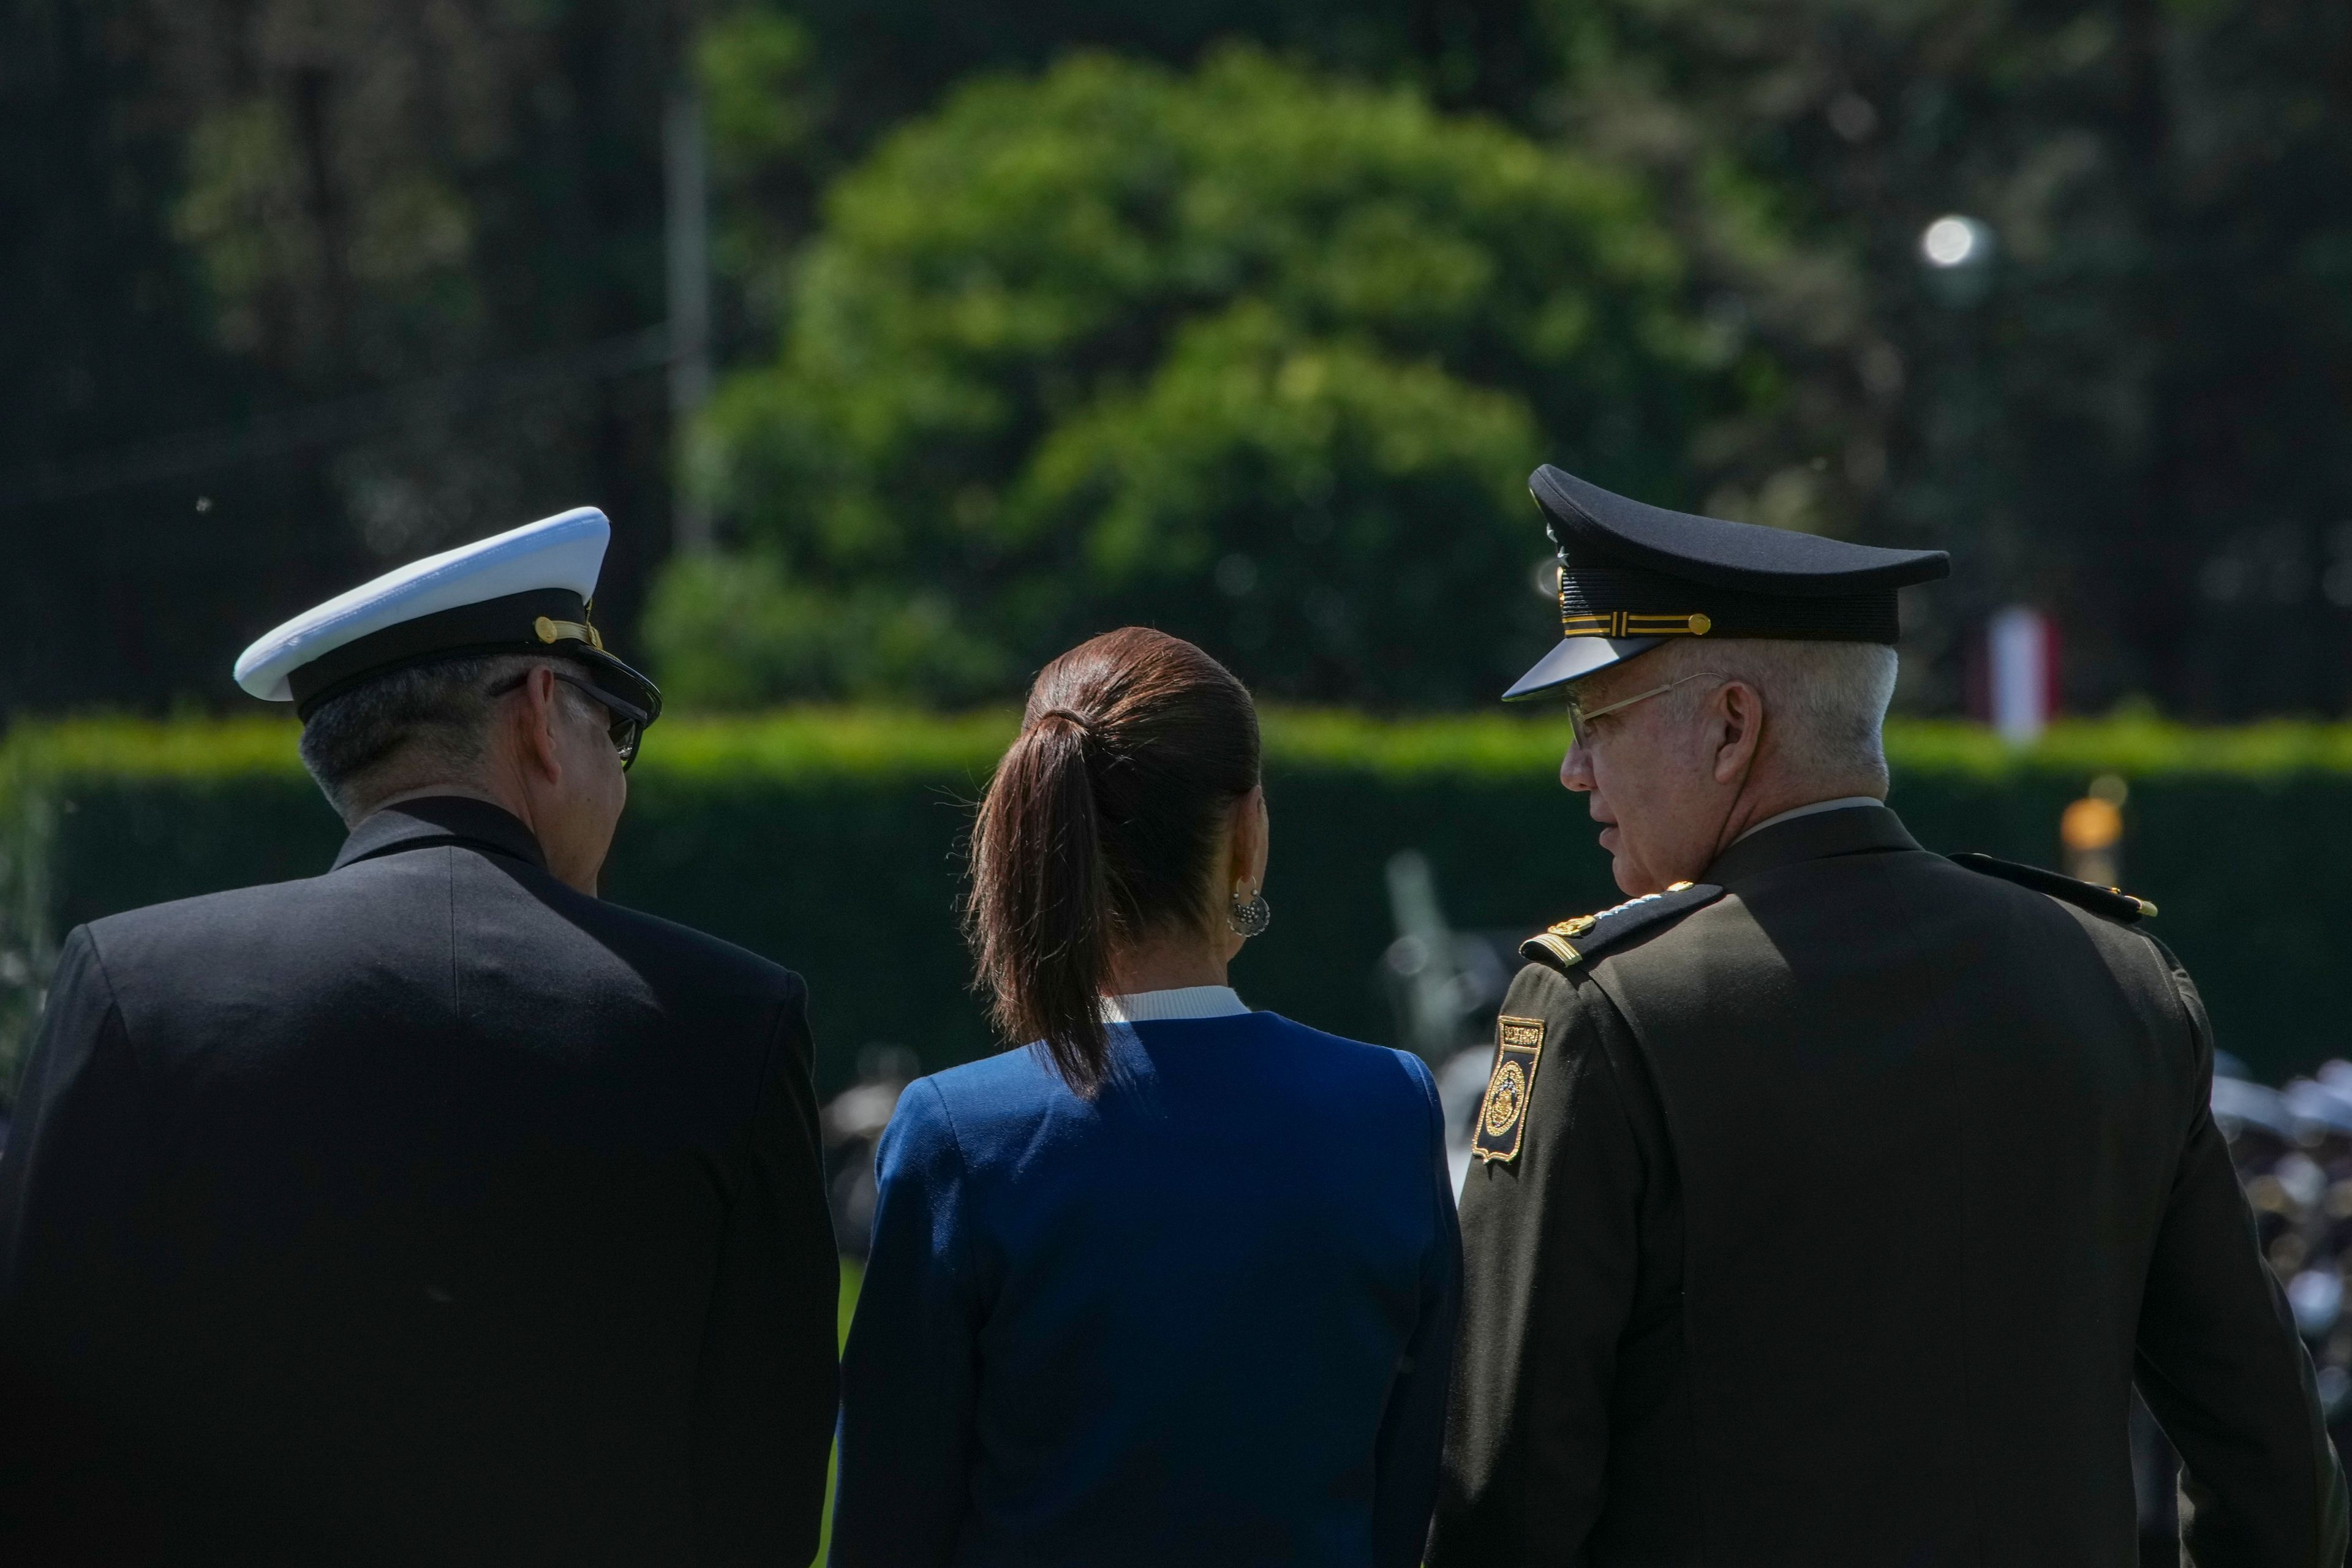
1502, 1115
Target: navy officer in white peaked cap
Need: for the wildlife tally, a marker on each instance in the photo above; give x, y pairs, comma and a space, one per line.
431, 1210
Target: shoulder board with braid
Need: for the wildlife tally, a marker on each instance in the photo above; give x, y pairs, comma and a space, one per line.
2111, 902
1572, 942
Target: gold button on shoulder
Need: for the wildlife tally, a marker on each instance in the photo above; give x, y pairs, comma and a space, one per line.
1576, 926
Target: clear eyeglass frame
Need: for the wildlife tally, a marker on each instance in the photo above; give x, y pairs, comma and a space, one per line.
1581, 717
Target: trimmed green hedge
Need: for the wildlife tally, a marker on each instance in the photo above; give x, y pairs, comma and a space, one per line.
828, 839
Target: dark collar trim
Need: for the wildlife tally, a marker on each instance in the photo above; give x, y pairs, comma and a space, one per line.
433, 820
1852, 830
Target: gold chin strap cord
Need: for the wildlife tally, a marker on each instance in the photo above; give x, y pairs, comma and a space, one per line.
1626, 624
576, 631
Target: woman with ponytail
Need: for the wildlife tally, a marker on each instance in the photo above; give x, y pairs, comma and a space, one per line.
1175, 1282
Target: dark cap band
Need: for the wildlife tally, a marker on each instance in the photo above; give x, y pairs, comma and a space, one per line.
544, 621
1618, 602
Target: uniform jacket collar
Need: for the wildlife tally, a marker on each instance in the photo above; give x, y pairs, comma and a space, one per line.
431, 821
1854, 830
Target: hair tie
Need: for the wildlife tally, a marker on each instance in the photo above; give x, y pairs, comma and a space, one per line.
1085, 726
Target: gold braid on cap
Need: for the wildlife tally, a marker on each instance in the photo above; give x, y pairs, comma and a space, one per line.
1626, 624
551, 630
1576, 621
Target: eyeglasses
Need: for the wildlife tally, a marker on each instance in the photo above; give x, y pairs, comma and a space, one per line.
1581, 717
628, 726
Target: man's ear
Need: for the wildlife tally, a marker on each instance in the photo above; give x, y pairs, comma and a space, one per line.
535, 719
1742, 732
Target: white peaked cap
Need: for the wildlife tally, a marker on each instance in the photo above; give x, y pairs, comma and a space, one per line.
565, 552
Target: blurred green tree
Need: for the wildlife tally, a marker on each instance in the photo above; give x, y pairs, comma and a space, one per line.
1249, 353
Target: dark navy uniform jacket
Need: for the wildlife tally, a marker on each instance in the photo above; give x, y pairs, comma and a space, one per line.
1204, 1317
1830, 1218
425, 1212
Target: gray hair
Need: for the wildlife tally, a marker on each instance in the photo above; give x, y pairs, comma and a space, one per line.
1825, 702
429, 724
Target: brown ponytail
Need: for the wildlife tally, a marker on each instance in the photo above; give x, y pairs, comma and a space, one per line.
1098, 830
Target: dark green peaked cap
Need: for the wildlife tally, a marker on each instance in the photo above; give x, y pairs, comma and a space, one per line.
1632, 575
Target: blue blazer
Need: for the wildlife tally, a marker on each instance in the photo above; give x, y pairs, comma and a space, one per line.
1205, 1318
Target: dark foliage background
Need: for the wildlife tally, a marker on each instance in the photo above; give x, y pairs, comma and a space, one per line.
294, 292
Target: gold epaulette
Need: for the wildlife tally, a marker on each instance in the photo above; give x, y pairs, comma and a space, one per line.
1571, 942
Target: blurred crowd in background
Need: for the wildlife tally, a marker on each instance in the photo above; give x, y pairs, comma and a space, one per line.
905, 342
2293, 1153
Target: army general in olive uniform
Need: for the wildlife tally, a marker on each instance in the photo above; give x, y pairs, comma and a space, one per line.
1833, 1197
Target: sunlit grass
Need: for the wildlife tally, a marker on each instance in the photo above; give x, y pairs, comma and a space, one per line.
852, 1276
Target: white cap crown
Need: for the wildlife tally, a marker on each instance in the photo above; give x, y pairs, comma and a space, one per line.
565, 551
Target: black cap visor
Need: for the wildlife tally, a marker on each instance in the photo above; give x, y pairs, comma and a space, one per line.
626, 684
1573, 660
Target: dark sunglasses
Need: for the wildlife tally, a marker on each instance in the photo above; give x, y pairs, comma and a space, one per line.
628, 726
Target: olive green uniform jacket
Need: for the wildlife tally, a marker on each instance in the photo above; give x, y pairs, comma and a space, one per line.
1831, 1211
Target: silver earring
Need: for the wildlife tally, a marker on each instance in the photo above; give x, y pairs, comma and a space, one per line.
1248, 917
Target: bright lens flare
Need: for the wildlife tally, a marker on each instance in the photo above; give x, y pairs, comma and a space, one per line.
1952, 241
